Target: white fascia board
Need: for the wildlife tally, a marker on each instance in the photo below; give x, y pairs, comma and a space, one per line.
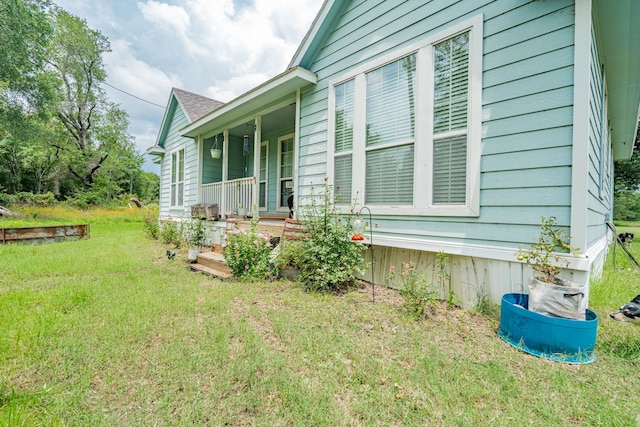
581, 262
581, 94
279, 86
312, 33
155, 150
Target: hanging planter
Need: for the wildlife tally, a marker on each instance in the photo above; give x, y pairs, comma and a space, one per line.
216, 151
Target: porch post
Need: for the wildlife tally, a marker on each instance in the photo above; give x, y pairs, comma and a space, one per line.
257, 142
225, 171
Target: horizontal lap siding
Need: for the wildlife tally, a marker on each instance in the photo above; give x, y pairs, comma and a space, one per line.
173, 141
600, 164
527, 109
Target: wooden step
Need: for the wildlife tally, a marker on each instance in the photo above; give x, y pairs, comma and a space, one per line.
211, 271
214, 261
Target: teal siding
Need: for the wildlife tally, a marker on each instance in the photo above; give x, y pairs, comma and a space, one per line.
600, 192
527, 103
171, 142
211, 168
240, 166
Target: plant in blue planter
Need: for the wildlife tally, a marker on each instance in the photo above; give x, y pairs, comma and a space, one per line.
548, 293
552, 321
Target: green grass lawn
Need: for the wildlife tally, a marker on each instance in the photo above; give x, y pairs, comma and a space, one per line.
108, 331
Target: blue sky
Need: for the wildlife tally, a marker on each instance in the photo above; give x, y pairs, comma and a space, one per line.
217, 48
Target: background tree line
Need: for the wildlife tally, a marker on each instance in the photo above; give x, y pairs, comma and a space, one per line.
59, 133
627, 186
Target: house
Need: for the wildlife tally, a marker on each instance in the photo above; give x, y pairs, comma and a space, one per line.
179, 184
458, 124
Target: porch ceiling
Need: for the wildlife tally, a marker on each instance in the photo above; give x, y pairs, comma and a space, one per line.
618, 23
248, 104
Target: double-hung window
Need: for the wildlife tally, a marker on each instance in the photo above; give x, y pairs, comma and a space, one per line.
263, 180
343, 141
177, 178
390, 130
405, 129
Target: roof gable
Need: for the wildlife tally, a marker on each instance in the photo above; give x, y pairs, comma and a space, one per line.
193, 105
318, 33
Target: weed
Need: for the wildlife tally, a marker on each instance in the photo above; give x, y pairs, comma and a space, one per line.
418, 294
151, 224
445, 279
171, 232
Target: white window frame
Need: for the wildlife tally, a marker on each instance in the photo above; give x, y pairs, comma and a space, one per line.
279, 207
175, 185
264, 181
423, 145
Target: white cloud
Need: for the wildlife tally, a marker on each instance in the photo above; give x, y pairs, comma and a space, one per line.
218, 48
249, 45
229, 89
173, 19
137, 77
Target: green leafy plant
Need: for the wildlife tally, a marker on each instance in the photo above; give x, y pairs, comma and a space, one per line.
195, 233
328, 259
418, 294
247, 252
445, 279
289, 254
544, 255
171, 232
151, 223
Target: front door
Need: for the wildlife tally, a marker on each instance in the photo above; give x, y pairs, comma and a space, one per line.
285, 171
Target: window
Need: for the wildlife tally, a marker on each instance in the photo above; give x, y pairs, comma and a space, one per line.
405, 128
343, 142
177, 178
285, 170
390, 127
262, 181
450, 120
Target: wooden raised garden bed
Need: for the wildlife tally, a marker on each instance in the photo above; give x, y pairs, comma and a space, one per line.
44, 234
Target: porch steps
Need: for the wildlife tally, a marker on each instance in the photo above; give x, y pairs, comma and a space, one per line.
212, 263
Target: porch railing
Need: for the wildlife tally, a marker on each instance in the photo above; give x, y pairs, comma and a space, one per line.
212, 193
234, 197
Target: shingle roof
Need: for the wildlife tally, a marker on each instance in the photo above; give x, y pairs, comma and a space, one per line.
196, 106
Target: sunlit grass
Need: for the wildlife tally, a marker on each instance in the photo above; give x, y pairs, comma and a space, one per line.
66, 215
108, 331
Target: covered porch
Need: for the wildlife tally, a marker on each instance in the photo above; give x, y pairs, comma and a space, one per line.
247, 159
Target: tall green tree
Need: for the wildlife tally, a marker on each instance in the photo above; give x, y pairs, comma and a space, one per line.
83, 109
25, 29
58, 130
626, 186
627, 173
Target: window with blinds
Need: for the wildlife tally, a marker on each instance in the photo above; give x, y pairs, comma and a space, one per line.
177, 178
285, 170
390, 127
406, 127
343, 142
450, 111
262, 182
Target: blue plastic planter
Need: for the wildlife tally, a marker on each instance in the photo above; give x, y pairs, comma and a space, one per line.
553, 338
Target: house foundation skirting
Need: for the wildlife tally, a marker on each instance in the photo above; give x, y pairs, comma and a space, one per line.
474, 280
